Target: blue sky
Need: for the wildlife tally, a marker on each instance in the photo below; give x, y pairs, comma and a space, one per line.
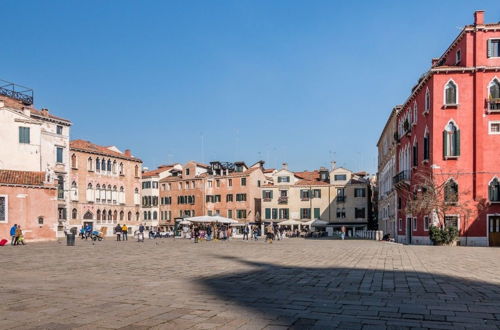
304, 82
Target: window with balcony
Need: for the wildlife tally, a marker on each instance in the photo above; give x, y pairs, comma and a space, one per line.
267, 195
494, 191
494, 95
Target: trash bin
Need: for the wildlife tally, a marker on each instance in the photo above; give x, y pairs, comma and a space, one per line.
70, 239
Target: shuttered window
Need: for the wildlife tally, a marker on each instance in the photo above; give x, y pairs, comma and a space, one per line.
24, 135
494, 48
268, 213
3, 208
451, 141
494, 191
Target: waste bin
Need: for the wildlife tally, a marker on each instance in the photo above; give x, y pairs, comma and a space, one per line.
70, 239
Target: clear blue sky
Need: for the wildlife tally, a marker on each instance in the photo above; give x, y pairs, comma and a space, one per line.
298, 81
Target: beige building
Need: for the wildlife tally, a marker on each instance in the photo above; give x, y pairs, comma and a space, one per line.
387, 195
105, 186
337, 196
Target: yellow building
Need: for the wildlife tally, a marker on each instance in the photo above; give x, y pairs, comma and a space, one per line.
337, 196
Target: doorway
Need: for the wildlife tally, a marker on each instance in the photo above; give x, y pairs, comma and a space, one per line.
408, 230
494, 230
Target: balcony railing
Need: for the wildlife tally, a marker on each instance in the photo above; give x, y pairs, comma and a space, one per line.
403, 176
283, 200
493, 105
267, 199
340, 199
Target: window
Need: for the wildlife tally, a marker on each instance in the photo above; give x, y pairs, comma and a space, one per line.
243, 181
187, 171
230, 182
283, 179
241, 214
284, 214
458, 56
60, 187
275, 213
400, 224
241, 197
267, 194
415, 154
494, 48
59, 129
451, 141
24, 135
229, 197
316, 213
415, 113
217, 183
427, 101
90, 164
426, 223
59, 154
426, 146
61, 211
129, 216
267, 213
359, 192
451, 221
494, 190
359, 213
451, 93
414, 223
3, 208
494, 127
304, 194
494, 95
340, 177
451, 192
316, 193
217, 198
136, 171
74, 214
97, 165
305, 213
73, 161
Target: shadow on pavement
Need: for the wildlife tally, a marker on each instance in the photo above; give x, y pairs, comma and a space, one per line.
303, 298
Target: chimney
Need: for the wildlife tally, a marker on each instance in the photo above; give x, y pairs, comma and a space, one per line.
128, 153
45, 112
479, 17
334, 165
26, 111
284, 166
434, 61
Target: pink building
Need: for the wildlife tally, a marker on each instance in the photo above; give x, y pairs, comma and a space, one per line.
450, 127
27, 200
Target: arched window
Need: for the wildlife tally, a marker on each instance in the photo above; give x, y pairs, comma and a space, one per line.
427, 100
494, 95
149, 215
122, 215
88, 215
451, 93
104, 215
494, 190
110, 215
426, 144
98, 193
137, 216
415, 153
74, 191
145, 215
73, 161
90, 164
74, 214
108, 194
115, 215
129, 216
109, 165
136, 171
103, 165
451, 141
121, 169
98, 214
451, 192
415, 112
155, 215
114, 167
97, 164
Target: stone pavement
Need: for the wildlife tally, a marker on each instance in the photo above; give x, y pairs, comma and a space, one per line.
296, 283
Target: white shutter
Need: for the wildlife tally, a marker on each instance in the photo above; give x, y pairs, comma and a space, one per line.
490, 48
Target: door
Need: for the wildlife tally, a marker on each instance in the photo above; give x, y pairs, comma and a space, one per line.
408, 229
494, 230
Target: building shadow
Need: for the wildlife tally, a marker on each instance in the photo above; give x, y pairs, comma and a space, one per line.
304, 298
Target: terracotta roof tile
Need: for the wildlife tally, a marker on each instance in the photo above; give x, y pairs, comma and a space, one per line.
22, 178
39, 113
88, 146
156, 171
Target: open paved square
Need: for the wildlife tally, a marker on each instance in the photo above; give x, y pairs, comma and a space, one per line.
296, 283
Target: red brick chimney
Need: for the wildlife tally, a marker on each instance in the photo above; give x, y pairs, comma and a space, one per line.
479, 17
128, 153
434, 61
45, 112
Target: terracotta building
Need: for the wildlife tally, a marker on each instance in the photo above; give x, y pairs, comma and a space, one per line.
229, 189
105, 186
28, 200
449, 127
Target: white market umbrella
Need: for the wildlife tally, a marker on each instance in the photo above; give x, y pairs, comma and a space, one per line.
315, 223
290, 222
185, 222
210, 218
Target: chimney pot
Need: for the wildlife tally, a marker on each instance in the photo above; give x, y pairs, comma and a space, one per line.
284, 166
479, 17
334, 164
128, 153
45, 111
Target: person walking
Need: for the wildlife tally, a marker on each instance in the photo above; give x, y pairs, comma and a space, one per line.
118, 231
13, 234
124, 232
342, 232
255, 233
140, 235
209, 232
19, 236
245, 232
88, 231
196, 233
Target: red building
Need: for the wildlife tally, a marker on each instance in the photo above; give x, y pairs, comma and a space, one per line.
450, 127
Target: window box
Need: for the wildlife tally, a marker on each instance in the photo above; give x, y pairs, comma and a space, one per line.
493, 105
283, 200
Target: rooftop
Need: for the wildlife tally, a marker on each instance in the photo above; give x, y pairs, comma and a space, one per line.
87, 146
26, 178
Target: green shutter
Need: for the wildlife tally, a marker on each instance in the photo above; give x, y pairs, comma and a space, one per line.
271, 194
445, 142
268, 213
457, 142
316, 213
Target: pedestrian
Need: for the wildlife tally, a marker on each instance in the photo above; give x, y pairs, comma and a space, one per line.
196, 233
88, 231
342, 232
140, 235
118, 231
209, 232
13, 234
245, 232
255, 232
82, 232
269, 234
124, 232
19, 236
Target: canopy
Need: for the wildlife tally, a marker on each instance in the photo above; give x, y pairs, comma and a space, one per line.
184, 222
316, 223
210, 218
290, 222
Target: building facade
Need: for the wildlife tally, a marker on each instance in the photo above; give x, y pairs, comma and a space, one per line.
105, 186
28, 200
228, 189
150, 193
449, 127
37, 141
337, 196
387, 195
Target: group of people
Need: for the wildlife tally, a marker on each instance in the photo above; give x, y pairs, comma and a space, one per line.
122, 232
85, 232
16, 234
207, 232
